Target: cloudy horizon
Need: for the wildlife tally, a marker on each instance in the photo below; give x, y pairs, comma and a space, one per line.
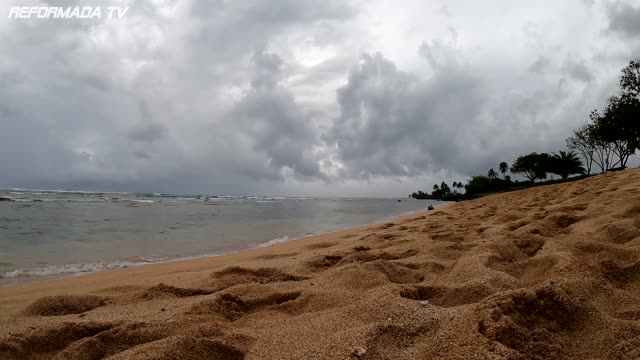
299, 98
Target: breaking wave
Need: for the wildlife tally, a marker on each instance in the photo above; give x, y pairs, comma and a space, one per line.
53, 270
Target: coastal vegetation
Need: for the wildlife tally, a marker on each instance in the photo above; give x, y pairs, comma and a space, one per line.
607, 140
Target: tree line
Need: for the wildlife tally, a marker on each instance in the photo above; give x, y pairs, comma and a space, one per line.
607, 140
613, 134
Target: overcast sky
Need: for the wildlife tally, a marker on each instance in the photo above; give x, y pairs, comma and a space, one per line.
293, 97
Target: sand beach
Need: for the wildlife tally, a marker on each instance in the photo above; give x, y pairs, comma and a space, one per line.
551, 272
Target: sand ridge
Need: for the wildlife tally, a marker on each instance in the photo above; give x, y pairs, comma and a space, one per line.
551, 272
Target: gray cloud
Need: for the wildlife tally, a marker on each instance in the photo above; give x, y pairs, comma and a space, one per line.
275, 97
393, 123
577, 69
457, 119
278, 130
146, 130
540, 66
152, 108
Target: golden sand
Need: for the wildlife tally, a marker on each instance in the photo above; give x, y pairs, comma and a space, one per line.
543, 273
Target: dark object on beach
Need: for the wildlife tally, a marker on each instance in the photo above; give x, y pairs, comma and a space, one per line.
430, 207
618, 168
399, 200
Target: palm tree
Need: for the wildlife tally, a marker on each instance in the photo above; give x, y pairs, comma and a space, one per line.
566, 163
492, 174
504, 167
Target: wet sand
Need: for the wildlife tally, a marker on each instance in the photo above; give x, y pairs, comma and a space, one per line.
547, 272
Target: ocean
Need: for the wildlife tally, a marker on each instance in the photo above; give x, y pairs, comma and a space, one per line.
47, 234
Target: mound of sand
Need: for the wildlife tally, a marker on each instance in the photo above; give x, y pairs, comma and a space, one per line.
237, 275
551, 272
164, 290
64, 305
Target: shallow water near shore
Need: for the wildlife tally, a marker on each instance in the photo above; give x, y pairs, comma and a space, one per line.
45, 234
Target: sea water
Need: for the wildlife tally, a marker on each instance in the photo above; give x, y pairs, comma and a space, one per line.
45, 234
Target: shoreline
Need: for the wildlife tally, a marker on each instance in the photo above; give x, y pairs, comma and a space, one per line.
260, 246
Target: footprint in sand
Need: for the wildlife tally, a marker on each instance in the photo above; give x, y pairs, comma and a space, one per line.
323, 262
530, 321
620, 275
448, 296
395, 341
236, 275
394, 272
232, 306
162, 290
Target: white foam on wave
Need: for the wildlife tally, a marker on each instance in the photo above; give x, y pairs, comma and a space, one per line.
275, 241
143, 201
53, 270
78, 269
46, 191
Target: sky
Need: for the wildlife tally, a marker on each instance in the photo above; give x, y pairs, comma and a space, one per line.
296, 97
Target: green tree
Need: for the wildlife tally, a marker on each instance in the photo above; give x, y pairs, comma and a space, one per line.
618, 126
532, 166
615, 132
630, 79
478, 185
446, 190
504, 167
492, 174
566, 163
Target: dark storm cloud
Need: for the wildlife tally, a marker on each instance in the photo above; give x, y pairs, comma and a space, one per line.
149, 132
540, 66
624, 18
277, 128
264, 97
393, 123
146, 130
577, 69
225, 30
147, 105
